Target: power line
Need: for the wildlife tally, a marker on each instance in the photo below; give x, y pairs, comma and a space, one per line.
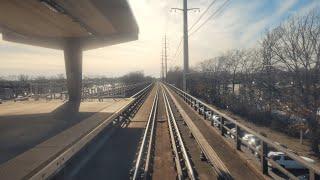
178, 48
219, 10
209, 6
204, 12
178, 51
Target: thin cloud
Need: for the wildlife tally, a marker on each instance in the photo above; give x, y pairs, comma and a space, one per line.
240, 25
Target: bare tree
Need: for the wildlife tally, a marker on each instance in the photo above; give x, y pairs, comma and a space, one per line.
295, 47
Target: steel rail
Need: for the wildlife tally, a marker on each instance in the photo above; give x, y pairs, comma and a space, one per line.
174, 127
218, 166
147, 162
173, 142
148, 128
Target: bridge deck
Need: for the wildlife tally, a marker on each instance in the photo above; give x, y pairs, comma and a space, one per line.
35, 132
115, 157
214, 142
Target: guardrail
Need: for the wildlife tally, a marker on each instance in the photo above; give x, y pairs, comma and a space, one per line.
205, 109
211, 156
113, 91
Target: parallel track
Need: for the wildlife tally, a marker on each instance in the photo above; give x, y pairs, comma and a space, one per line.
218, 166
182, 160
141, 168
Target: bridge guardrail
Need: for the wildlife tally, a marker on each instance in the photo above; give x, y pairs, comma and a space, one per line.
113, 91
266, 143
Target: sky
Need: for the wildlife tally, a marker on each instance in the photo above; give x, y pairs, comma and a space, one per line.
239, 25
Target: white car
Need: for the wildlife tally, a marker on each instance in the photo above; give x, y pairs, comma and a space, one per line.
195, 104
201, 110
21, 98
232, 132
254, 141
286, 162
215, 119
208, 114
247, 138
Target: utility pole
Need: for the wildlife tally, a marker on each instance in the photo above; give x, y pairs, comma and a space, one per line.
185, 42
185, 45
162, 68
165, 57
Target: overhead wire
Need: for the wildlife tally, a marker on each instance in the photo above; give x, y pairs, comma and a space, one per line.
201, 16
215, 14
178, 51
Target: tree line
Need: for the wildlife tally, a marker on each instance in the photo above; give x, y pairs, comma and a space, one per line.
276, 84
24, 84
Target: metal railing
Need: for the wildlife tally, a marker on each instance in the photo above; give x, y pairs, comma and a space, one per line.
203, 109
112, 91
219, 167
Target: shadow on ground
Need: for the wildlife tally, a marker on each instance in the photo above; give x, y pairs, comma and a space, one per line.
18, 133
110, 156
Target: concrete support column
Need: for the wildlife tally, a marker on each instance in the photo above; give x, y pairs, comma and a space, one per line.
73, 63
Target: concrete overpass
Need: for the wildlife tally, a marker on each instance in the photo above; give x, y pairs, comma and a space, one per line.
72, 26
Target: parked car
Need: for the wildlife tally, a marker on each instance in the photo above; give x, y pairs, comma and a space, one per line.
216, 120
208, 115
254, 141
21, 98
195, 104
304, 177
230, 126
286, 162
258, 149
0, 101
247, 137
232, 132
201, 110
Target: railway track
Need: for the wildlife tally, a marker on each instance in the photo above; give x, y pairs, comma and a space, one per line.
181, 158
79, 166
124, 155
157, 136
141, 168
207, 152
182, 162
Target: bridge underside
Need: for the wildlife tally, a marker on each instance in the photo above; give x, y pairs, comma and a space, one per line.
72, 26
